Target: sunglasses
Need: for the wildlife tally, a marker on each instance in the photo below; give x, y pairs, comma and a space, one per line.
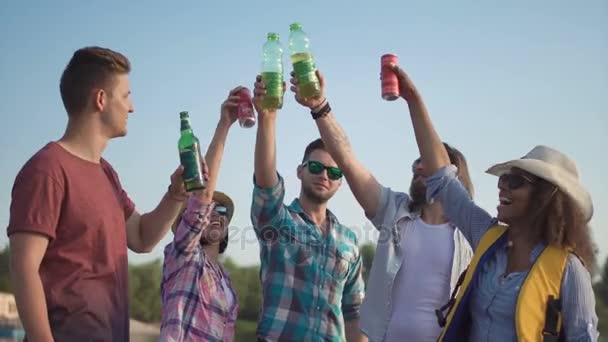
514, 181
221, 210
316, 168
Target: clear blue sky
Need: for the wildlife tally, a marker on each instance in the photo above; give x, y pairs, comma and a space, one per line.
498, 78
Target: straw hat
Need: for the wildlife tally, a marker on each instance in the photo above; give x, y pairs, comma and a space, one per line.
555, 167
223, 199
218, 197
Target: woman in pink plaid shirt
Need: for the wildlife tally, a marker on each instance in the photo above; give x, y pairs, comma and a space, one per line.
198, 300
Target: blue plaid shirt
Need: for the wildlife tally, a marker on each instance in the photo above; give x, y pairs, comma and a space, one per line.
311, 283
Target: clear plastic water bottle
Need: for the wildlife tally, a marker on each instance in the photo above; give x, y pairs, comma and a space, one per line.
303, 62
272, 72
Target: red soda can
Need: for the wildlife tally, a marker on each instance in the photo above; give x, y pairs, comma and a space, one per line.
390, 83
245, 110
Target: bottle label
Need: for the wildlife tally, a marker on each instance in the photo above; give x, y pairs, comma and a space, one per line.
190, 160
305, 70
274, 83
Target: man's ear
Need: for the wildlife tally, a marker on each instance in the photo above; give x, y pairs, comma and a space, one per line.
100, 99
299, 171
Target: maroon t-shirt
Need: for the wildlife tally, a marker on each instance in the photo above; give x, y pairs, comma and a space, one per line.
82, 208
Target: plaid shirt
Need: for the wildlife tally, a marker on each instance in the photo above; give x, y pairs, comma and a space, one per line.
311, 283
194, 305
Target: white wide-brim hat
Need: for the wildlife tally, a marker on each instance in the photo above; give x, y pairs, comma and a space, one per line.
554, 167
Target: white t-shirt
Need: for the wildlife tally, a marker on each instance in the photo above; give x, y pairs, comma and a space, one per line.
422, 284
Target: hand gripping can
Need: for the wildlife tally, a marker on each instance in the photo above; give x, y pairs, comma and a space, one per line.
245, 110
390, 83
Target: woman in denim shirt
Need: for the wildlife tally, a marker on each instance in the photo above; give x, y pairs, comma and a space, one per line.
542, 203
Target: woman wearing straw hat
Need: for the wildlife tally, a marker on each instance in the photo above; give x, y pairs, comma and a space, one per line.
198, 300
528, 279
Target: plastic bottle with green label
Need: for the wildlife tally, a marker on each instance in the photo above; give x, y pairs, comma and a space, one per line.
303, 62
272, 72
190, 155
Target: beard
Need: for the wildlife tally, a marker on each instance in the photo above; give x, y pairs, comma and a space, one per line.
314, 196
215, 233
417, 193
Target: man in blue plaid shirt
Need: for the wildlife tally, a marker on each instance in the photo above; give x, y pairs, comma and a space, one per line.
310, 263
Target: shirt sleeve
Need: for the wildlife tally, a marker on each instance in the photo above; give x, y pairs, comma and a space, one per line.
354, 289
471, 219
37, 199
127, 204
388, 206
193, 222
267, 207
578, 303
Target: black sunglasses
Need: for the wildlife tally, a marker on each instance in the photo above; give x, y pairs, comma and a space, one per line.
514, 181
316, 168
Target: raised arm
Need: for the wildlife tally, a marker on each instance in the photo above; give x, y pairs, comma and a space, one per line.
215, 152
472, 220
431, 148
362, 183
194, 220
441, 179
145, 231
196, 217
265, 161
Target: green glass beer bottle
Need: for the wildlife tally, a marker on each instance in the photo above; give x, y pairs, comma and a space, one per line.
190, 156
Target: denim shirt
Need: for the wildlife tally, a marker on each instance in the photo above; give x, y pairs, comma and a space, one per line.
495, 294
377, 305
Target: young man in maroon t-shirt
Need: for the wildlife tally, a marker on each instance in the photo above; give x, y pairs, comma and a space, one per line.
70, 219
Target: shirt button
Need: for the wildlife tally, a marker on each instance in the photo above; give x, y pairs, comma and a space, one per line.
318, 308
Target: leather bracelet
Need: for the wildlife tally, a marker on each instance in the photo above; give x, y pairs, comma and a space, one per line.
323, 111
319, 106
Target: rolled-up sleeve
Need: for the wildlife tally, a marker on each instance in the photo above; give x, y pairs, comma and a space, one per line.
388, 207
354, 289
194, 220
267, 206
472, 220
578, 303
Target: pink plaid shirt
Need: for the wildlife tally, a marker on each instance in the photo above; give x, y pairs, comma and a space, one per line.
194, 304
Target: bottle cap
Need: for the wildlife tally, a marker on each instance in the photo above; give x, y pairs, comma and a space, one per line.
295, 27
273, 36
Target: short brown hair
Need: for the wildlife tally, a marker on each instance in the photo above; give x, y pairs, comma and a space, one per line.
90, 68
317, 144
